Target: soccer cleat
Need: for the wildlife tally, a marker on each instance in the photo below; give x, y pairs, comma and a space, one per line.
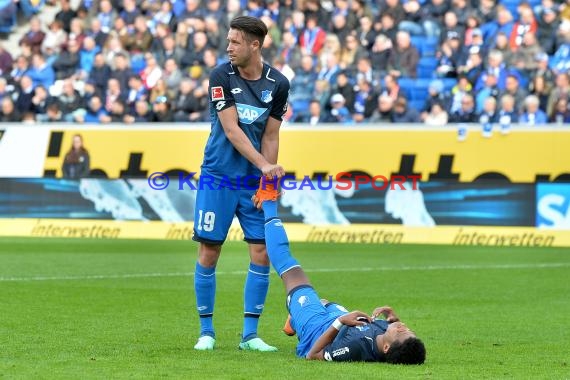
256, 344
287, 328
267, 192
205, 343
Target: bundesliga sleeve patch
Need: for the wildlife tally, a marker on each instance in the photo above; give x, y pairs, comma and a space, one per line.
218, 93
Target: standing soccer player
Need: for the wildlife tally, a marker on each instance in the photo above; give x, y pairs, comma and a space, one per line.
247, 101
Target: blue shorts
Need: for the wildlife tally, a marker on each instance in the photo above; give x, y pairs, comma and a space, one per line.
215, 210
309, 318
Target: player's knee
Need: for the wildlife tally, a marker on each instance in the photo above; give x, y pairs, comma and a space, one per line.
209, 254
258, 254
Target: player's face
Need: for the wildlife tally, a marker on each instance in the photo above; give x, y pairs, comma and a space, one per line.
239, 49
397, 331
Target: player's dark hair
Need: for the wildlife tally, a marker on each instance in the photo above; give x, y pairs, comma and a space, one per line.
252, 28
410, 351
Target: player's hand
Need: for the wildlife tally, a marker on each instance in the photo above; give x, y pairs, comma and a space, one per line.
355, 318
387, 312
273, 171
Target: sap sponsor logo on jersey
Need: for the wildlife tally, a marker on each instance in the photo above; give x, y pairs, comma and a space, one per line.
340, 351
553, 205
218, 93
248, 114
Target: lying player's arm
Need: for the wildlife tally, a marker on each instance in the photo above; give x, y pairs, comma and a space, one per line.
355, 318
229, 121
387, 312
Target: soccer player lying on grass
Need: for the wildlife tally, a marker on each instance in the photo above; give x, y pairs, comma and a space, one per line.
327, 331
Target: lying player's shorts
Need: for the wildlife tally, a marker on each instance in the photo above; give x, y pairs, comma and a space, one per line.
215, 210
309, 318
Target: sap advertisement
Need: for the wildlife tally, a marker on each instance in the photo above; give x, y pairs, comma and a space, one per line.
553, 205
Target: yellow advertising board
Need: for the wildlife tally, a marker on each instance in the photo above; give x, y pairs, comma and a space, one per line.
297, 232
521, 156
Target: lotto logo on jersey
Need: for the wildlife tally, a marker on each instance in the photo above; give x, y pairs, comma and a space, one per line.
248, 114
218, 93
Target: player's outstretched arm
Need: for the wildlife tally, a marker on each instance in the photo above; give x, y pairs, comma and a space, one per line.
387, 312
355, 318
229, 120
270, 149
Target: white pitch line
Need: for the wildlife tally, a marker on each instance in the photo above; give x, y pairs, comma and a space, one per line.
316, 270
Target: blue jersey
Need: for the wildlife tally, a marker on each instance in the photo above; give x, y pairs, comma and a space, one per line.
255, 102
357, 344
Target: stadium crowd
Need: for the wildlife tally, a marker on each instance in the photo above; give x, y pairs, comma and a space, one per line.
348, 61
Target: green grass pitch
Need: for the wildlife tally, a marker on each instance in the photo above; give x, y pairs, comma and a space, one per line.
125, 309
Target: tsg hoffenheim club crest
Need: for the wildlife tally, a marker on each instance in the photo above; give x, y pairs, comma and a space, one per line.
266, 96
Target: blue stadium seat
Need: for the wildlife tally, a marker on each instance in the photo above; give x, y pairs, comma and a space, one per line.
418, 105
8, 16
426, 67
427, 46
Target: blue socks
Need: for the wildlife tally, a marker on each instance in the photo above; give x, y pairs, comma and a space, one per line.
276, 240
205, 288
255, 292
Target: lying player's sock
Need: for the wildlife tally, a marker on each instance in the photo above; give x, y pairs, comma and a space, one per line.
256, 286
205, 286
277, 241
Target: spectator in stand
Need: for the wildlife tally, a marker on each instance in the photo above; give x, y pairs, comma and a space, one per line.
329, 72
351, 52
289, 51
87, 57
380, 54
122, 72
539, 87
413, 18
486, 11
532, 114
473, 67
106, 16
462, 9
136, 91
502, 45
6, 61
404, 60
339, 113
526, 24
168, 50
560, 62
67, 63
365, 101
432, 15
391, 87
195, 56
561, 90
172, 76
130, 12
403, 114
24, 95
332, 48
8, 112
53, 114
184, 104
100, 73
466, 114
340, 28
345, 88
40, 100
365, 33
76, 163
159, 90
161, 110
507, 113
513, 88
524, 59
436, 96
449, 56
489, 112
95, 112
142, 113
34, 37
312, 39
490, 89
548, 24
561, 112
54, 40
386, 26
315, 116
70, 101
495, 66
40, 72
451, 27
437, 116
393, 8
303, 86
65, 15
76, 33
383, 112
